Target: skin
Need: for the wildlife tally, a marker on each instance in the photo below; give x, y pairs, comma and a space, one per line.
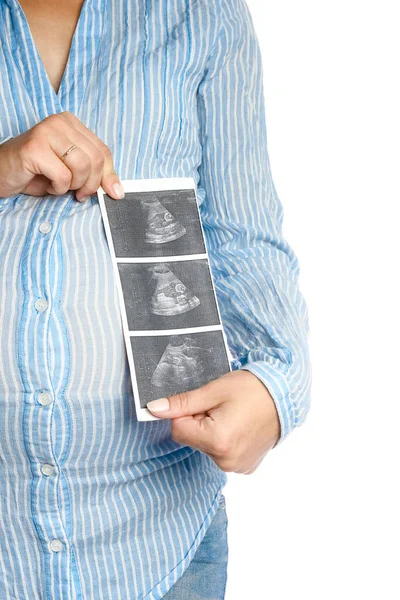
233, 419
31, 163
52, 24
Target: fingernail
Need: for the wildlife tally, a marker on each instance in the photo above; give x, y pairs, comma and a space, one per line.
160, 405
118, 191
84, 199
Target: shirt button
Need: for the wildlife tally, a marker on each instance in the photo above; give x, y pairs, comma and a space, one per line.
44, 398
45, 227
47, 469
56, 545
41, 304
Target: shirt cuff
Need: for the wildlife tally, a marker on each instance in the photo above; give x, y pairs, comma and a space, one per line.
4, 140
4, 201
276, 383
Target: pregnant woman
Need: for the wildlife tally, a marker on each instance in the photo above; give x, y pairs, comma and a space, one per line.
94, 504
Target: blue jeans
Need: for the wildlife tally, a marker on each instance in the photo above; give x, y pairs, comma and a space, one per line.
206, 576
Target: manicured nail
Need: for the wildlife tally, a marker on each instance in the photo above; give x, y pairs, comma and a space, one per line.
84, 199
160, 405
118, 191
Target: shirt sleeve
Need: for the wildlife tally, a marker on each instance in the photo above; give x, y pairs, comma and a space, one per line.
255, 271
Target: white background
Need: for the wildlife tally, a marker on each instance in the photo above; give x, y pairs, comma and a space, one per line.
319, 519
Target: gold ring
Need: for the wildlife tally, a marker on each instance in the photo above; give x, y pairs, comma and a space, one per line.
63, 157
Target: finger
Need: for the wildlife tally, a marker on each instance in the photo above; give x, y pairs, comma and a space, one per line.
197, 433
110, 182
47, 163
37, 186
86, 181
199, 400
77, 160
92, 183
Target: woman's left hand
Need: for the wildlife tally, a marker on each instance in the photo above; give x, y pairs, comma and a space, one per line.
233, 419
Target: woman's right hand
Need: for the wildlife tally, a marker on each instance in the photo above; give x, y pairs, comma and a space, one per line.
31, 163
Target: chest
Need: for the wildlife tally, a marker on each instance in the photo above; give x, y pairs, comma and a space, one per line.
52, 25
131, 76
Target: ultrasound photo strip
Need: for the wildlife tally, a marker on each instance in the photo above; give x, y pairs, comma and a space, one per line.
169, 310
168, 295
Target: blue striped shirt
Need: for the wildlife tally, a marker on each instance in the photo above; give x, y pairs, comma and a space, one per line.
93, 503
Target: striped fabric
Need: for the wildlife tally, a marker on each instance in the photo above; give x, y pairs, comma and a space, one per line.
93, 504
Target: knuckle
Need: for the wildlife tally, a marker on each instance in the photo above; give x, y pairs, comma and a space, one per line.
62, 184
227, 465
104, 149
52, 122
66, 114
224, 447
31, 146
65, 178
61, 190
182, 401
50, 119
88, 190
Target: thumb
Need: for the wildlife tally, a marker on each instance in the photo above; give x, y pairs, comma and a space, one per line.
184, 403
184, 409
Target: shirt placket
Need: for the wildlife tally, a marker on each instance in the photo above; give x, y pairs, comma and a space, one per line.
51, 519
